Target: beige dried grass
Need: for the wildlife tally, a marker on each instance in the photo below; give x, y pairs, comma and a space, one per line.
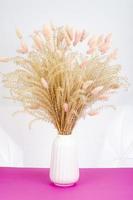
56, 82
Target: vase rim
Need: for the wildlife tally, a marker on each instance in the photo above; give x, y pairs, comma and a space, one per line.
68, 134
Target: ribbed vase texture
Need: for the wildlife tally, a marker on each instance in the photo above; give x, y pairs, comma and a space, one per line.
64, 170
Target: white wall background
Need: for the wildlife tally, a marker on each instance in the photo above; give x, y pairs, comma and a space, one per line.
105, 140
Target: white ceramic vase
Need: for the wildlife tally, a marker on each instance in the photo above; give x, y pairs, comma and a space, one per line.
64, 170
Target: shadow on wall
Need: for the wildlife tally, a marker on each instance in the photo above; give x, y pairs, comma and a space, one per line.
106, 140
10, 154
119, 139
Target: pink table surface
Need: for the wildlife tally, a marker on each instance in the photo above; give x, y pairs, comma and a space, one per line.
94, 184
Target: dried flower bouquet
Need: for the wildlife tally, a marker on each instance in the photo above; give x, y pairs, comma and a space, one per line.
63, 74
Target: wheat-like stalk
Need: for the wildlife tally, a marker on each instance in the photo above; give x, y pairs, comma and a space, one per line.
58, 82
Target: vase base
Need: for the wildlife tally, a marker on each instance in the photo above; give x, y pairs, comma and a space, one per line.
64, 185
